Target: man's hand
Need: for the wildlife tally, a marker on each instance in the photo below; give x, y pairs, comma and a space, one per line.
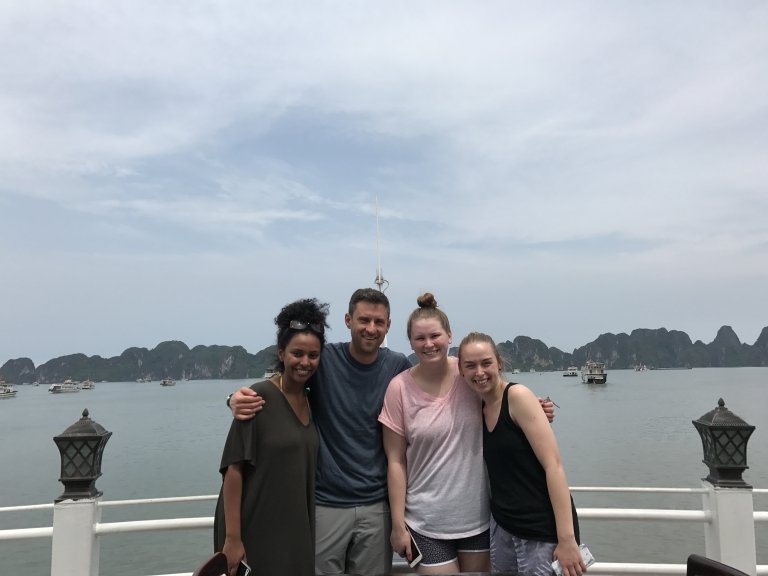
546, 404
245, 403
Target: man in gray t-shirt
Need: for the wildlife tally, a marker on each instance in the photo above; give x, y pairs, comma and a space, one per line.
346, 393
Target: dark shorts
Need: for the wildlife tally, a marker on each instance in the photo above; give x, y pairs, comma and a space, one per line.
436, 552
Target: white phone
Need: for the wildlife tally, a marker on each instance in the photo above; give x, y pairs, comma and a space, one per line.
415, 552
586, 555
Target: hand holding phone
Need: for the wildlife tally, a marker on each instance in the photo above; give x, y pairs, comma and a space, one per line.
415, 552
586, 556
243, 569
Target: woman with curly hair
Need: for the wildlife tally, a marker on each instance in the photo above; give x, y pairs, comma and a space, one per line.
266, 508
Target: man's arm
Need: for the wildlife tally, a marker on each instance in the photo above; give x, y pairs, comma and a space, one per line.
245, 403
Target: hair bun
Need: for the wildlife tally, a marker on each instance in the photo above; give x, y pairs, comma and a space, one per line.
427, 300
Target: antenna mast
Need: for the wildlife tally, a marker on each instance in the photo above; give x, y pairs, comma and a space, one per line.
380, 282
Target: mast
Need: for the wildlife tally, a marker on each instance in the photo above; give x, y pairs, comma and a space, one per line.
379, 281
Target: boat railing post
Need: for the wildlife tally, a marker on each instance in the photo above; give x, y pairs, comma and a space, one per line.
730, 535
75, 546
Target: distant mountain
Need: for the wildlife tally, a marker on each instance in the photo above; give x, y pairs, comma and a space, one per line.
659, 348
172, 358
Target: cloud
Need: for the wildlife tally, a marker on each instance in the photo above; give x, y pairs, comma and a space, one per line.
523, 149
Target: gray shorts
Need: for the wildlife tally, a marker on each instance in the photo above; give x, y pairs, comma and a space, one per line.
518, 555
353, 540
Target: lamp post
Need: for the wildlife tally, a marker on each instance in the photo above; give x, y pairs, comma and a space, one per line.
724, 437
729, 535
81, 447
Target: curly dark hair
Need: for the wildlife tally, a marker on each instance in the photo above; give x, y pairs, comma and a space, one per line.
307, 311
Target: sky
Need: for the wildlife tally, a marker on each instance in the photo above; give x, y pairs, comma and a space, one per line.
560, 170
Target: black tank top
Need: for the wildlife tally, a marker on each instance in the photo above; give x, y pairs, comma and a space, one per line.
519, 498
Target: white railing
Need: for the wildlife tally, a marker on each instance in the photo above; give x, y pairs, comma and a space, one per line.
722, 544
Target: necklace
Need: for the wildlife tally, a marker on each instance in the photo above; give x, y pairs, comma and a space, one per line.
296, 409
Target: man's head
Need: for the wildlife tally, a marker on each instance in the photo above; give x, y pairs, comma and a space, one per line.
368, 322
369, 295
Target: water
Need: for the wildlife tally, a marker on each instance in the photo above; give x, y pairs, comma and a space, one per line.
166, 441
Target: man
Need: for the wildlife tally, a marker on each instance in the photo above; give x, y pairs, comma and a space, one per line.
352, 512
352, 521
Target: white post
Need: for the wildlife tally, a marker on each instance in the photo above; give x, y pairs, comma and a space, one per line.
75, 548
730, 536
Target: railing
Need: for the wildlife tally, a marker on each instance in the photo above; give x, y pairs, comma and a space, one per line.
723, 544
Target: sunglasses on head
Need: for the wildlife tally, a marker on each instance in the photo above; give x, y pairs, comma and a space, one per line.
298, 325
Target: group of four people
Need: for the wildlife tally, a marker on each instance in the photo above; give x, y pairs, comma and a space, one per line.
350, 456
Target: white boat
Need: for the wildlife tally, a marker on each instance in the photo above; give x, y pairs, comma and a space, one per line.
167, 381
6, 390
594, 373
87, 384
572, 371
66, 386
268, 374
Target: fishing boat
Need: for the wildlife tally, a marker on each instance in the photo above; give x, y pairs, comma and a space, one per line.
66, 386
594, 373
6, 390
572, 371
167, 381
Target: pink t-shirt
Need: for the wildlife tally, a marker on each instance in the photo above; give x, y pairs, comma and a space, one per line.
446, 492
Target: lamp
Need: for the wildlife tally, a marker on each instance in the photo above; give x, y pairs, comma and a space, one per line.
724, 438
81, 447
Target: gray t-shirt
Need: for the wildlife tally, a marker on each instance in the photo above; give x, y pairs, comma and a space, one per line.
346, 398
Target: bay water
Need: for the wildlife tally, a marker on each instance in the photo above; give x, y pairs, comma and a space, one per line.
635, 430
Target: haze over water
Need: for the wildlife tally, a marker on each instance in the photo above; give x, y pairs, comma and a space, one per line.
166, 441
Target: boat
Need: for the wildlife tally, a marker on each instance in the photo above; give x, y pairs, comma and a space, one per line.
572, 371
6, 390
641, 368
268, 374
167, 381
87, 384
594, 373
66, 386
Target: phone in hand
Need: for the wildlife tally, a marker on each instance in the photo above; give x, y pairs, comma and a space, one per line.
415, 552
586, 556
243, 569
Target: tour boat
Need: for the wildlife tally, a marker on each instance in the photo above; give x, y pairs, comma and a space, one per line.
66, 386
6, 390
594, 373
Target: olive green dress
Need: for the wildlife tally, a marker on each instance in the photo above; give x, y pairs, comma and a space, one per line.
279, 455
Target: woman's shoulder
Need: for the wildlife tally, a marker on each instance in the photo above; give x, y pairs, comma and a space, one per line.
519, 392
264, 387
402, 379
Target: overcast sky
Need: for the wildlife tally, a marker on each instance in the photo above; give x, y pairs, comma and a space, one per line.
180, 170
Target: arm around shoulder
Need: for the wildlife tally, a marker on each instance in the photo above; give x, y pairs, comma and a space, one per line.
245, 403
